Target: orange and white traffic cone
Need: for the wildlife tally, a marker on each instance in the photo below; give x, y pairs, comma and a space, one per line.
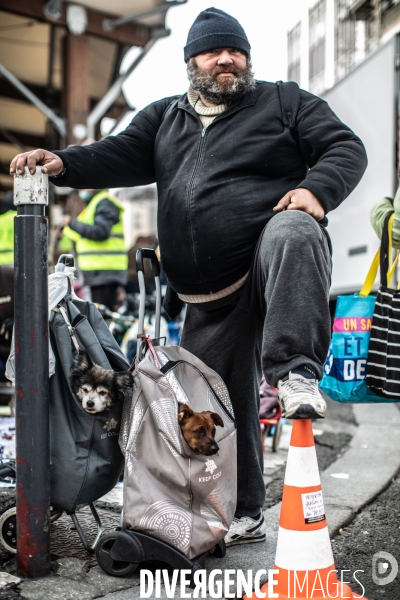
304, 563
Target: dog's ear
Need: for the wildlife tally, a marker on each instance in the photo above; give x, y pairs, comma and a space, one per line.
83, 362
217, 419
184, 413
123, 379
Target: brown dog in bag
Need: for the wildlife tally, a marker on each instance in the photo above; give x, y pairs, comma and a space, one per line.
181, 493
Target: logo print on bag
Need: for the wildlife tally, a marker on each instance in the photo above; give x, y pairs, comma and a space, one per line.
111, 425
329, 362
210, 466
343, 324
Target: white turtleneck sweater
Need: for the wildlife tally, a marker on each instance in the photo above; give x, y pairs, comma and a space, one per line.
207, 114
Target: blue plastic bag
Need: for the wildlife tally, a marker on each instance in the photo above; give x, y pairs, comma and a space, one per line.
346, 363
345, 367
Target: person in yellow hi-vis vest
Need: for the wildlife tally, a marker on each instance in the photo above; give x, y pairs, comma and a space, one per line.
100, 247
7, 214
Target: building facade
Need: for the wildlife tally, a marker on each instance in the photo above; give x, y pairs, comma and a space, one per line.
334, 36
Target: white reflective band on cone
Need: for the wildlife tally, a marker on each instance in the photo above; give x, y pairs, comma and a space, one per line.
302, 467
304, 550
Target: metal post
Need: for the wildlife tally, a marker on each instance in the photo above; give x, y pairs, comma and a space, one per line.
32, 375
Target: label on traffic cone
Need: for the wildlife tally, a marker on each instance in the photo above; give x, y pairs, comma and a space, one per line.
304, 564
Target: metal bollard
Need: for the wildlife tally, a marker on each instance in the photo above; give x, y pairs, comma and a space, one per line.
32, 375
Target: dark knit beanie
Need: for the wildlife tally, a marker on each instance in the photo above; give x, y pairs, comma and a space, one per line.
214, 28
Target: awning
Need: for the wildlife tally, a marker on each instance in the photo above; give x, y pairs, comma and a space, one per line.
33, 48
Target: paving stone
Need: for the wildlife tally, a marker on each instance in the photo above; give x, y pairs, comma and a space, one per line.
133, 594
123, 595
11, 565
10, 594
57, 588
106, 583
270, 471
70, 567
8, 580
65, 541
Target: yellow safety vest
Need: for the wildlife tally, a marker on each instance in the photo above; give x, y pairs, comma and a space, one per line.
65, 245
7, 237
105, 255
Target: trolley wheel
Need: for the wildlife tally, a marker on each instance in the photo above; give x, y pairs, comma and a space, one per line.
117, 568
8, 530
277, 436
220, 549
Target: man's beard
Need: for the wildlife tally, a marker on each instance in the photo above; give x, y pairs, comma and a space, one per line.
221, 90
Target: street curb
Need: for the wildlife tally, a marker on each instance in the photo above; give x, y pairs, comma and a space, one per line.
371, 462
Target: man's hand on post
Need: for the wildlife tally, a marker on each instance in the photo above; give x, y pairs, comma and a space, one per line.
51, 163
301, 199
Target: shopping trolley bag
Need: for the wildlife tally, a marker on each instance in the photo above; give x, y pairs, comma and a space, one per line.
172, 493
86, 460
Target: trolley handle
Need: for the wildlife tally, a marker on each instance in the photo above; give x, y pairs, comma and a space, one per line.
140, 255
65, 260
147, 253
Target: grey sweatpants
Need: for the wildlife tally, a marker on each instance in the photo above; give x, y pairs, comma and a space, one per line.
281, 321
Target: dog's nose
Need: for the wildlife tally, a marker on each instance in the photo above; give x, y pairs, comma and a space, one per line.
90, 403
214, 448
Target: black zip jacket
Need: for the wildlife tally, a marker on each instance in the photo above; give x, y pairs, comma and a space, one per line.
217, 187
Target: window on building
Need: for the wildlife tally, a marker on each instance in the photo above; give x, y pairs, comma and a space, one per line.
345, 46
355, 34
317, 27
294, 54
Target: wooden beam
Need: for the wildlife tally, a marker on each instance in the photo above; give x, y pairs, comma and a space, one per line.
76, 82
52, 97
7, 181
25, 139
4, 168
133, 34
116, 111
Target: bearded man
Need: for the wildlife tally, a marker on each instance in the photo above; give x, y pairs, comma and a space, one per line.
242, 201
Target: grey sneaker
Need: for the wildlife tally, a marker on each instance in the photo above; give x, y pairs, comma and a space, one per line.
245, 530
300, 398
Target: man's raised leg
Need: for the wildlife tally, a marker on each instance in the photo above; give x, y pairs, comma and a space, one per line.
295, 265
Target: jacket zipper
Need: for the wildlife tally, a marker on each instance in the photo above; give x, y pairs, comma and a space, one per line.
195, 172
191, 195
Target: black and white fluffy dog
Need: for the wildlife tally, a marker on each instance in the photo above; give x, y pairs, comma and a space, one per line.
97, 388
